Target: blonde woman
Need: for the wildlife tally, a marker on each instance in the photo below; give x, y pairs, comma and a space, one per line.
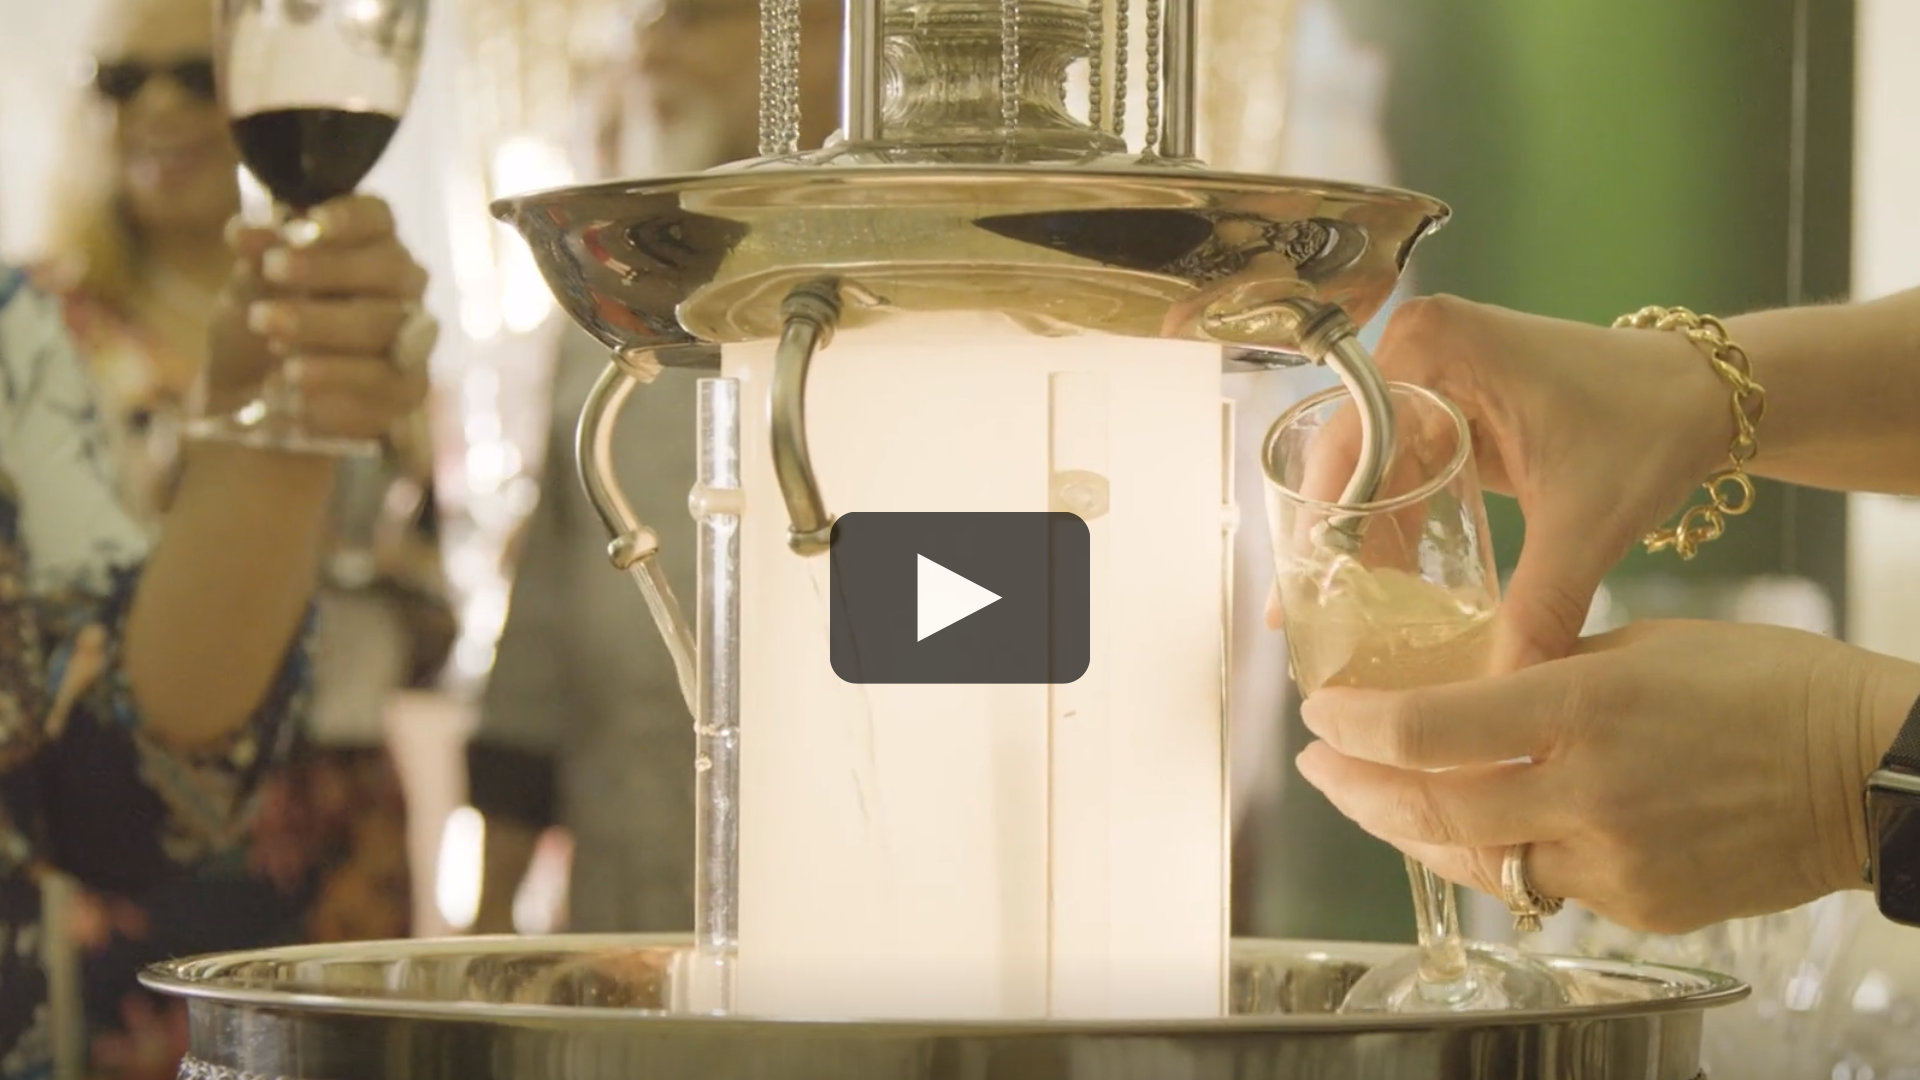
137, 259
146, 688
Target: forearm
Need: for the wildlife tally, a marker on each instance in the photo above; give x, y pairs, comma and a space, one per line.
1843, 393
225, 591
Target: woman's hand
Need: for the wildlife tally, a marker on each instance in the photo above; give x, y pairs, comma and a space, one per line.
334, 319
1600, 434
1682, 773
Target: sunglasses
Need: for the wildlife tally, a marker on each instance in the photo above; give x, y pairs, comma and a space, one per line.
121, 81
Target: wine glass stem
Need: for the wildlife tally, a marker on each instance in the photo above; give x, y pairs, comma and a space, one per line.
1443, 956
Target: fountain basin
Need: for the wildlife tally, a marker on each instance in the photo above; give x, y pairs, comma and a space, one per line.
599, 1008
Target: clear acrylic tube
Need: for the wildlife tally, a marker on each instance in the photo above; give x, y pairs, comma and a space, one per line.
715, 503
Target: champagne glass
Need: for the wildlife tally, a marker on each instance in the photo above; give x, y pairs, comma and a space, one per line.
1396, 593
313, 91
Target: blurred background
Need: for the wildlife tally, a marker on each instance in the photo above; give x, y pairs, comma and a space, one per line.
1599, 155
1746, 153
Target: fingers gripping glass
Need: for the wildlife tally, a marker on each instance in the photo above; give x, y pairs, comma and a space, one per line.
1395, 593
313, 90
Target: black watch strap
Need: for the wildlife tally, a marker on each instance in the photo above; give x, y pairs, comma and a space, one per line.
1893, 826
1904, 756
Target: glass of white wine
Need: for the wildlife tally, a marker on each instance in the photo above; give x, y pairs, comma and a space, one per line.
1395, 593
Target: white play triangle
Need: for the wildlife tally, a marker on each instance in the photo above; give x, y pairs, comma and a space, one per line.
943, 598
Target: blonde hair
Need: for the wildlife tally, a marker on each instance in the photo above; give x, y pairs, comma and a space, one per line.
92, 242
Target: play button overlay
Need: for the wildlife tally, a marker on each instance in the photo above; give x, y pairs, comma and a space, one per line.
959, 598
944, 598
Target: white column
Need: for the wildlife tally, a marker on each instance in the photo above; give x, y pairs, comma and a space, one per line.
989, 851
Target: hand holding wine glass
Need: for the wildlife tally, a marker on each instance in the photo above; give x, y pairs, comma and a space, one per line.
329, 326
314, 90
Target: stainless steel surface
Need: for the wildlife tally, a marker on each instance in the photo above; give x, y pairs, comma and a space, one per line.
635, 548
1349, 359
632, 540
860, 72
811, 313
591, 1008
1183, 36
1327, 336
1142, 252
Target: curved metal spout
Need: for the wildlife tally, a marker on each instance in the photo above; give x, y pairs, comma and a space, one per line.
811, 311
1328, 336
635, 548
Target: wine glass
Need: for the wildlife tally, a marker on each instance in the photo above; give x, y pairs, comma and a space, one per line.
313, 91
1395, 593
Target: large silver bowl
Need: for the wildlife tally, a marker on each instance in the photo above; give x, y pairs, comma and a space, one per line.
656, 265
600, 1008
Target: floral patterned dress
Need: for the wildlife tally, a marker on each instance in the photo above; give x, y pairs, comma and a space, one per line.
84, 791
326, 857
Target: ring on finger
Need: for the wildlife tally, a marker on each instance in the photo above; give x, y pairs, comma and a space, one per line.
1526, 904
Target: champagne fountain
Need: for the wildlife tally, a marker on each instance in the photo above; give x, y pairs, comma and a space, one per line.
984, 295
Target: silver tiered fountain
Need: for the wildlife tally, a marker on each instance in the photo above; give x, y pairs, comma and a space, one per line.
980, 296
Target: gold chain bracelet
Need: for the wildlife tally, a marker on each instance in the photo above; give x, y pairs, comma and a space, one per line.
1729, 490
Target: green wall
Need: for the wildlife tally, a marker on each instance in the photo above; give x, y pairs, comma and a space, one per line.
1600, 155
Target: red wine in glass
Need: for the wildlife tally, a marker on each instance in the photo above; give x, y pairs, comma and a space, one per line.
305, 156
313, 91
